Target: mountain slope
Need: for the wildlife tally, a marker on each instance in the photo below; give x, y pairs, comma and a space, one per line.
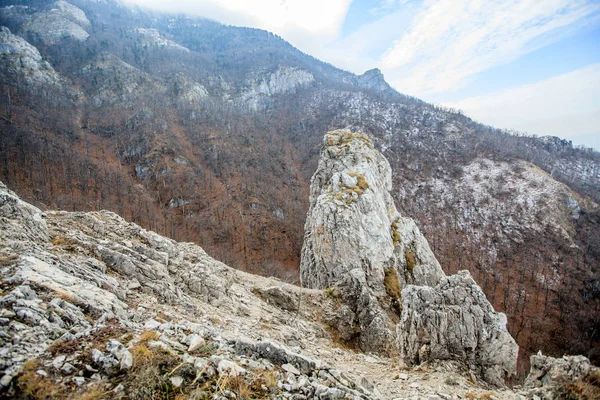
94, 306
210, 133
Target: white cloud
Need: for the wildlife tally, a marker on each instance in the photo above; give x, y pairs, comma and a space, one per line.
452, 40
566, 105
307, 24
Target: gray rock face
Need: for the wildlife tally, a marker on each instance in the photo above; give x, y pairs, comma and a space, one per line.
549, 377
356, 241
353, 223
454, 320
283, 80
373, 79
62, 21
18, 57
379, 267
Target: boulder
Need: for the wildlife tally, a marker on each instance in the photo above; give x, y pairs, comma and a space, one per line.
565, 377
454, 320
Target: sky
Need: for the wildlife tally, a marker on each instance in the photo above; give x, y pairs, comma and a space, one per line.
526, 65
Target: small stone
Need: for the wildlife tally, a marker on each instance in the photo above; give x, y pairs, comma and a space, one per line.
302, 382
134, 285
403, 376
68, 368
5, 381
79, 380
96, 356
151, 324
41, 372
126, 360
59, 361
120, 388
196, 341
4, 313
229, 368
290, 368
414, 385
90, 368
177, 381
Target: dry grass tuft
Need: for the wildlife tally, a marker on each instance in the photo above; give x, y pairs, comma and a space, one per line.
64, 347
31, 385
391, 283
396, 236
148, 336
411, 260
9, 260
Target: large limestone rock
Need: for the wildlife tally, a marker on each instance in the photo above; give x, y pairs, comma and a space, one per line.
23, 225
262, 87
353, 223
566, 377
357, 242
455, 320
62, 21
21, 59
393, 295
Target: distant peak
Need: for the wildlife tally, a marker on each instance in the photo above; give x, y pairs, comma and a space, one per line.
373, 79
373, 72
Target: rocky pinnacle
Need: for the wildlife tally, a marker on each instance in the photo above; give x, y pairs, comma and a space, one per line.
393, 295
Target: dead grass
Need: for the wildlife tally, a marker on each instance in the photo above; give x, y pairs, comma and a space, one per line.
64, 242
396, 236
411, 260
391, 283
393, 289
148, 336
259, 385
149, 376
587, 388
362, 183
64, 347
481, 396
31, 385
9, 260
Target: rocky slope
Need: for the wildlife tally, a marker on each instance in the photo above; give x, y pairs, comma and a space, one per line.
95, 307
209, 133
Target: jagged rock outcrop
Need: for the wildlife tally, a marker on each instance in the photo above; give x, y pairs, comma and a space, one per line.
357, 242
62, 21
380, 266
373, 79
21, 59
353, 223
567, 377
455, 320
152, 37
283, 80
